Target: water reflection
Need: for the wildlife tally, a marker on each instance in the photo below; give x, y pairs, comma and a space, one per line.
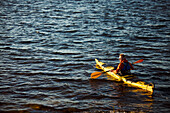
123, 98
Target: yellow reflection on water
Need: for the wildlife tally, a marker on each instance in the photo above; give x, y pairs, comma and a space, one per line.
141, 99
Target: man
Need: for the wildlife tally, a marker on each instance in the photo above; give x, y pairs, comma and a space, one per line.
124, 66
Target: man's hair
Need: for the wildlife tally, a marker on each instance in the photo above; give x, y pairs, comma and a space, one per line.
122, 55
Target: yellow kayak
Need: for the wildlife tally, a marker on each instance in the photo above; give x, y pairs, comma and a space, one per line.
116, 77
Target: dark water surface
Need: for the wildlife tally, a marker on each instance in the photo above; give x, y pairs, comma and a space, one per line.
48, 47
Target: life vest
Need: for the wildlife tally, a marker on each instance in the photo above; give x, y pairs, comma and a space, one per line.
126, 68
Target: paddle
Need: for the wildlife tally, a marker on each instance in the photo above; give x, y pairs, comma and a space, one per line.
139, 61
97, 74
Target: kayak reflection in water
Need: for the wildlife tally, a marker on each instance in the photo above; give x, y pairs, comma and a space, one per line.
124, 66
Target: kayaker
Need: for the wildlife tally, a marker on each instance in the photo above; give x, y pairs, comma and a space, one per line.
124, 66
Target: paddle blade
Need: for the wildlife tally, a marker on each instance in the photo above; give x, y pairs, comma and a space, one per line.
96, 75
139, 61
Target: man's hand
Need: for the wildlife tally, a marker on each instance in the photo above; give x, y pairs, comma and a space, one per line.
114, 71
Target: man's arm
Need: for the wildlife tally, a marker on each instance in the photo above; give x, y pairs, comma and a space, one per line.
120, 67
131, 67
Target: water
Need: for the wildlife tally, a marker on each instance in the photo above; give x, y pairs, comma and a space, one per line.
48, 49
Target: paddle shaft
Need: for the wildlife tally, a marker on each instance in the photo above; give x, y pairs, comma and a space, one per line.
97, 74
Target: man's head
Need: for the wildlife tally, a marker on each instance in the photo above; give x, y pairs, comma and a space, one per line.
121, 57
